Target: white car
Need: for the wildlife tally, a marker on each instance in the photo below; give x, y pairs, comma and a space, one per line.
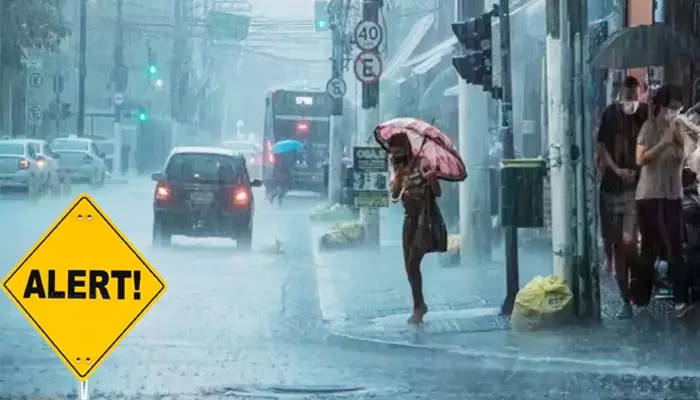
47, 162
80, 160
19, 166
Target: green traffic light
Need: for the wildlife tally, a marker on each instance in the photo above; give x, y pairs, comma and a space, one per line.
322, 24
153, 69
142, 116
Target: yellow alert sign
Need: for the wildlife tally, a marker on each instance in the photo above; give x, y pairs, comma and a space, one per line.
83, 286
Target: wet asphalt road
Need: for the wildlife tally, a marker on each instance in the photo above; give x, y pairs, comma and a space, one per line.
243, 326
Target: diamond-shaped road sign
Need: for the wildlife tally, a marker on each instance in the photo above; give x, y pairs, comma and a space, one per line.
83, 286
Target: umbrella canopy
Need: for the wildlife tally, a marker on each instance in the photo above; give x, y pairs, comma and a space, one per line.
645, 46
287, 146
428, 143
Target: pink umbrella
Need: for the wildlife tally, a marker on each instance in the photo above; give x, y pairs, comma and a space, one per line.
428, 143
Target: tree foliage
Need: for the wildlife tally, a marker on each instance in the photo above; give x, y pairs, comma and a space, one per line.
33, 24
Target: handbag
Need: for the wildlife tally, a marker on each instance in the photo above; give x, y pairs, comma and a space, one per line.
431, 235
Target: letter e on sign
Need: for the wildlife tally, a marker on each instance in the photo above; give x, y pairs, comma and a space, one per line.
83, 286
368, 67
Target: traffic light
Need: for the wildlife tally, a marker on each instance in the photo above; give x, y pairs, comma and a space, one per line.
152, 63
322, 18
142, 114
475, 66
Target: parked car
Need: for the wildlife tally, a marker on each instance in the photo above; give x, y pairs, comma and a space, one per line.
252, 152
80, 160
204, 192
19, 165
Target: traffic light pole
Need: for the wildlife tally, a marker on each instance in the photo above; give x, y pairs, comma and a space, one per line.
511, 232
82, 68
334, 151
474, 203
370, 108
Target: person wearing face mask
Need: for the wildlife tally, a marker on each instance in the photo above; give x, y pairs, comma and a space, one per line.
411, 183
617, 139
660, 154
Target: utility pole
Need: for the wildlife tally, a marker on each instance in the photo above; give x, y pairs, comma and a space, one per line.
585, 284
58, 79
337, 92
560, 137
474, 202
82, 67
370, 107
177, 76
511, 232
120, 81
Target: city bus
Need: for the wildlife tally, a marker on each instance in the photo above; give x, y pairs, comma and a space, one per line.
302, 115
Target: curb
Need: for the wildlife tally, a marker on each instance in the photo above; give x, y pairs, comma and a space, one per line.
494, 360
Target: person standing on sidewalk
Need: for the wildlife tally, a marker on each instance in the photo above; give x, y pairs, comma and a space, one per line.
617, 140
411, 184
660, 154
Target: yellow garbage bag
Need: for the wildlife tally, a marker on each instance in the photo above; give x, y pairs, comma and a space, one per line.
545, 302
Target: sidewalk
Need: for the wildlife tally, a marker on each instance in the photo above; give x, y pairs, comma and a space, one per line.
365, 301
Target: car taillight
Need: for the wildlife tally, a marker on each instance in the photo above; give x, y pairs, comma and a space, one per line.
23, 164
162, 192
240, 197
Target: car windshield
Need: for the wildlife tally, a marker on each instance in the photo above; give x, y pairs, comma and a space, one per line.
70, 145
199, 167
11, 148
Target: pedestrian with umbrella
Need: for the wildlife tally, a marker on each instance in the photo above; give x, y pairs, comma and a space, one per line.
286, 153
420, 155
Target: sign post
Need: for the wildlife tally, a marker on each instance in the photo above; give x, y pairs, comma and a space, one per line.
370, 177
85, 270
368, 70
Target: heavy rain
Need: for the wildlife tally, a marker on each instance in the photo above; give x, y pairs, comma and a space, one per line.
349, 199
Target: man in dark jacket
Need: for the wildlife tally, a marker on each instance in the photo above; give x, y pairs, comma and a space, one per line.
617, 141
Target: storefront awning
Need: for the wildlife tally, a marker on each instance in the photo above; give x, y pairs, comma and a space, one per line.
409, 44
453, 91
424, 62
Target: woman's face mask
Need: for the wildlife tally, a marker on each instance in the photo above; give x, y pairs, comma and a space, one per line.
629, 107
399, 155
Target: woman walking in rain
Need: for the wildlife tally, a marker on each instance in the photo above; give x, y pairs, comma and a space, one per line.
660, 154
413, 184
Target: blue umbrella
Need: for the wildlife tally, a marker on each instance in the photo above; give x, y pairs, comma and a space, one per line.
287, 146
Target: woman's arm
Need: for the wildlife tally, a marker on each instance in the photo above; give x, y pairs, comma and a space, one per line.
397, 184
646, 151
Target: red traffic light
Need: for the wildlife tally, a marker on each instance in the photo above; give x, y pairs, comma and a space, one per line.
302, 127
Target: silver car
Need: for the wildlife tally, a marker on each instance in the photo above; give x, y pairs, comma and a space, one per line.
19, 167
80, 160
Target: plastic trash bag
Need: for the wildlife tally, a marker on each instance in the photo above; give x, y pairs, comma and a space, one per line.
545, 302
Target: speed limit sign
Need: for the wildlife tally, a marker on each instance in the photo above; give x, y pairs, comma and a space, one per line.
368, 35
